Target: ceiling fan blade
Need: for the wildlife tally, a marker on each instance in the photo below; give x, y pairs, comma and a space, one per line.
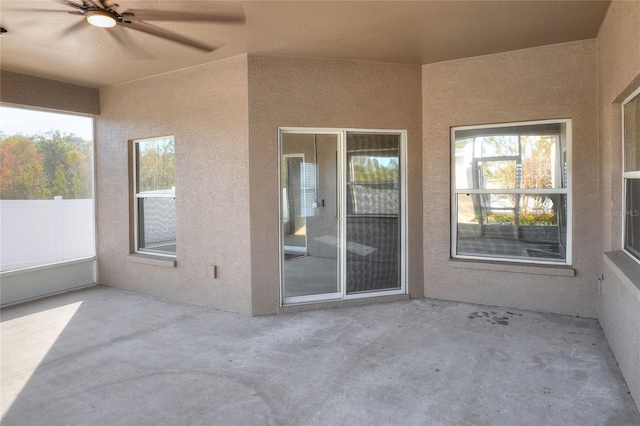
97, 3
24, 9
75, 27
131, 47
158, 15
168, 35
72, 4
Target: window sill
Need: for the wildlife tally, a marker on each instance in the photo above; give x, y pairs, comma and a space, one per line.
149, 259
520, 268
629, 268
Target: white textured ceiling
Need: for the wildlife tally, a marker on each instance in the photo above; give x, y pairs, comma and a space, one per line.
413, 32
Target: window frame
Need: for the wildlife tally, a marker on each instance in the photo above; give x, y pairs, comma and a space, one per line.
627, 175
136, 196
567, 261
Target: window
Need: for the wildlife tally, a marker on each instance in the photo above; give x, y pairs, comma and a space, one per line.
373, 175
155, 195
510, 197
631, 131
46, 188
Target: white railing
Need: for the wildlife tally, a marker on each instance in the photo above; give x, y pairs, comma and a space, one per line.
39, 232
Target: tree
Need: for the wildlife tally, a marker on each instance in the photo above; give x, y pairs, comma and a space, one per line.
78, 175
156, 166
60, 165
21, 170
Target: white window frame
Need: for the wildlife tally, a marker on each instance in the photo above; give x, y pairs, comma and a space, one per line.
294, 248
342, 294
626, 175
137, 196
564, 191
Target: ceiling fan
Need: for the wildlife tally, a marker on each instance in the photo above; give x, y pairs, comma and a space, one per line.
108, 14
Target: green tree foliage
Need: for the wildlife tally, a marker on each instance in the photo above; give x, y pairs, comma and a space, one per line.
156, 165
22, 170
375, 169
53, 164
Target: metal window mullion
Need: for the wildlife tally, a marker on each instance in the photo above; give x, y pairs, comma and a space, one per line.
513, 191
155, 195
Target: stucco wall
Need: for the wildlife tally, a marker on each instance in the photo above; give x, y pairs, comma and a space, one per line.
25, 90
618, 77
300, 92
557, 81
205, 108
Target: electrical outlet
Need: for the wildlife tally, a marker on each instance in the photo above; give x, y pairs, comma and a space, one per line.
213, 272
600, 285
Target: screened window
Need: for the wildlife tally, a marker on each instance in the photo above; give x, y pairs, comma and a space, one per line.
46, 188
631, 117
510, 198
155, 195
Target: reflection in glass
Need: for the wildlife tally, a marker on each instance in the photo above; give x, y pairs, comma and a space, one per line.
632, 135
525, 221
524, 226
156, 167
533, 158
373, 212
632, 218
309, 214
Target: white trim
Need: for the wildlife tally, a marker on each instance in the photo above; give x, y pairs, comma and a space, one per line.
42, 281
375, 293
512, 191
342, 238
283, 300
631, 255
542, 191
306, 242
631, 96
513, 124
625, 176
569, 248
323, 297
46, 266
511, 259
453, 214
137, 196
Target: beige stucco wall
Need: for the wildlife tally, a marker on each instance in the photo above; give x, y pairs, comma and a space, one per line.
618, 66
25, 90
205, 108
557, 81
300, 92
618, 77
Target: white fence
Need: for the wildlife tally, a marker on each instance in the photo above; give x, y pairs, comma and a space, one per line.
39, 232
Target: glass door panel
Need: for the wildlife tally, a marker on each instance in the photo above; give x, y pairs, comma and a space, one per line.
309, 215
373, 221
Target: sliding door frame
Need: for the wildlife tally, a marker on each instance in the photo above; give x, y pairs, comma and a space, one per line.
341, 134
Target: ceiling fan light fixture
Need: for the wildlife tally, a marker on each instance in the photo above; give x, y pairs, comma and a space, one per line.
101, 18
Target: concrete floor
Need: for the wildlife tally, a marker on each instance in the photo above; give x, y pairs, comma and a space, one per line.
102, 356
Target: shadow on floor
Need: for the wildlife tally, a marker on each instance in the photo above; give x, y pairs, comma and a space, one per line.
102, 356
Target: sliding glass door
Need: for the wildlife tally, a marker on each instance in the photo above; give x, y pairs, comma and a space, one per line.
309, 216
341, 214
373, 188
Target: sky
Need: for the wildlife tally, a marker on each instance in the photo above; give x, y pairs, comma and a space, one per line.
30, 122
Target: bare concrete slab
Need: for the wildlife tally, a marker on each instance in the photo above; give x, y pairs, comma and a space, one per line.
108, 357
